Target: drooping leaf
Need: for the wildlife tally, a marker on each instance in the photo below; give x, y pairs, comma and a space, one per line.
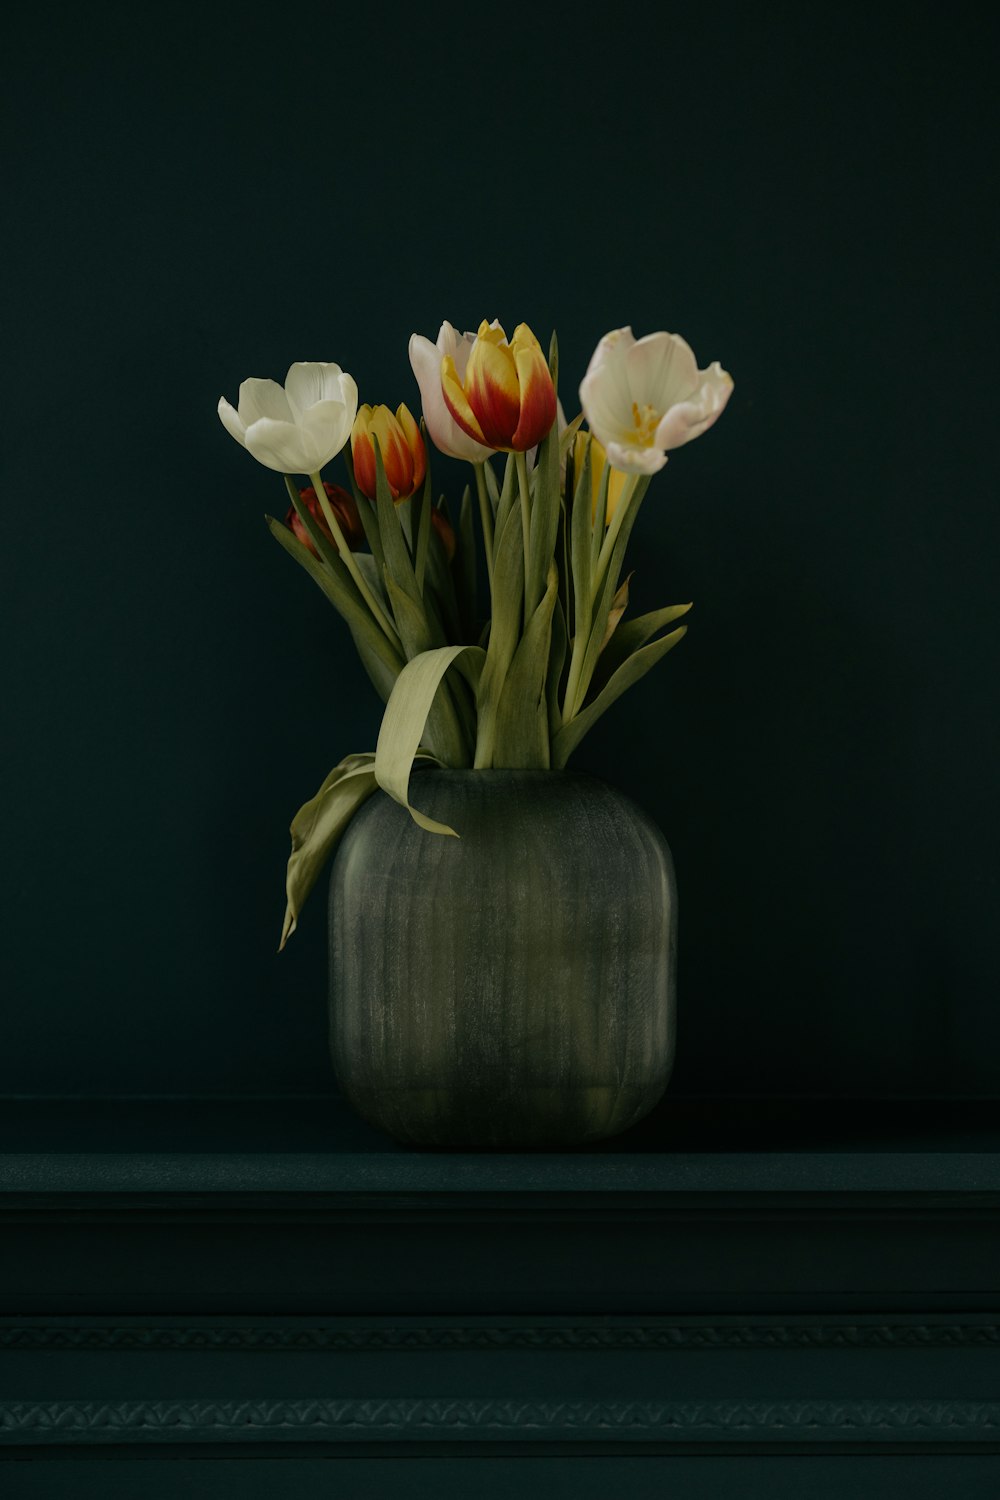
404, 721
631, 670
318, 827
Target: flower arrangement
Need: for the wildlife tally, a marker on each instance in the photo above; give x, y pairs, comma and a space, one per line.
521, 687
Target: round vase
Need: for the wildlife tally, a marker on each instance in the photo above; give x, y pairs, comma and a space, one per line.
512, 987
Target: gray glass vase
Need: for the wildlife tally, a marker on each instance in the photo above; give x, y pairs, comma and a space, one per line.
513, 987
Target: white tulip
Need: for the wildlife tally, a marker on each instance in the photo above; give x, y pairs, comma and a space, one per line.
644, 396
426, 359
298, 427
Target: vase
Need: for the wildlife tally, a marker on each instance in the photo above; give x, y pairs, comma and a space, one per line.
512, 987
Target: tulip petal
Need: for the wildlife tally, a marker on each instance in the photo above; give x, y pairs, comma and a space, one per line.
263, 398
610, 359
689, 419
363, 454
280, 446
661, 370
310, 382
231, 421
491, 385
606, 421
457, 402
415, 443
538, 396
326, 426
425, 358
634, 460
396, 455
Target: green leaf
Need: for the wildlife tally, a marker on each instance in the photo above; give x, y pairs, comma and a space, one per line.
609, 585
383, 678
446, 736
557, 661
508, 495
631, 635
636, 667
505, 629
411, 619
492, 487
599, 525
339, 587
567, 435
522, 734
404, 721
317, 829
619, 605
464, 566
397, 553
439, 588
544, 519
423, 531
581, 543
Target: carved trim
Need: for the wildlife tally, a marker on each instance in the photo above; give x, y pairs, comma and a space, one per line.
444, 1417
402, 1337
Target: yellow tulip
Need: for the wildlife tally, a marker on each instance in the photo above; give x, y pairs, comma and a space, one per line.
598, 458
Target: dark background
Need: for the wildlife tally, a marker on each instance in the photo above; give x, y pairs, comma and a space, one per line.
198, 194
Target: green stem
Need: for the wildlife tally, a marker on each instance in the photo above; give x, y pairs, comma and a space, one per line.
486, 516
521, 464
347, 557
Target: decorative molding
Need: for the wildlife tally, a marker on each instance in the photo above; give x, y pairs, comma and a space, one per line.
426, 1338
443, 1418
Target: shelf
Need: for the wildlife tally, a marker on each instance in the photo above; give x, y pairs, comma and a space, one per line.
315, 1145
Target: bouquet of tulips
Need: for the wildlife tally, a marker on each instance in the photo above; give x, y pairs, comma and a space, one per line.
518, 685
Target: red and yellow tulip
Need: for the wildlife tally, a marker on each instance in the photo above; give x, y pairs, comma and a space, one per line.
401, 446
506, 399
346, 512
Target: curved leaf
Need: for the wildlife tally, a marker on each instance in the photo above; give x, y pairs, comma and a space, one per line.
637, 665
404, 722
317, 829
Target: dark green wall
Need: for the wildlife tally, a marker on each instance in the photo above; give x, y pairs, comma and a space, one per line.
806, 193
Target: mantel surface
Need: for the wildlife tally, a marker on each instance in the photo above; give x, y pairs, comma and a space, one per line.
314, 1144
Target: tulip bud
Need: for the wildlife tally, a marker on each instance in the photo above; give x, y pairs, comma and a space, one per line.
445, 531
401, 446
506, 399
345, 509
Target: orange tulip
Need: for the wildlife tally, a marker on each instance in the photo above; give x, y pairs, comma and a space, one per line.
401, 445
506, 400
345, 510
